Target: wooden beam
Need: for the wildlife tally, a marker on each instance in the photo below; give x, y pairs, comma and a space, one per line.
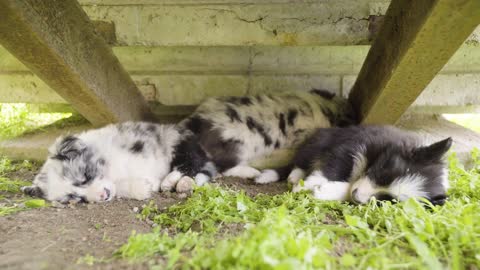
415, 41
56, 40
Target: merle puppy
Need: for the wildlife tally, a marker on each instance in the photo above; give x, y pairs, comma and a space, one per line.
125, 160
361, 162
224, 134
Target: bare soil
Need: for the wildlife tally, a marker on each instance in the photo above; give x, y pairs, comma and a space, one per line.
55, 238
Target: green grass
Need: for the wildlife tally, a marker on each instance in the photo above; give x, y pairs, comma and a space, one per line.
294, 231
11, 198
16, 119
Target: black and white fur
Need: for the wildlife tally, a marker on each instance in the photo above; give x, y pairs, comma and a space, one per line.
224, 134
132, 160
360, 162
126, 160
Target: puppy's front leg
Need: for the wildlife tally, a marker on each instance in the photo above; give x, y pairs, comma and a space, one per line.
332, 191
316, 178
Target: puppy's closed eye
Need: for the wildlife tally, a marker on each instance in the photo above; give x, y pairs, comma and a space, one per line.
74, 198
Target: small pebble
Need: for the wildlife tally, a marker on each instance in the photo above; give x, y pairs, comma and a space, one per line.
105, 221
84, 239
135, 209
154, 225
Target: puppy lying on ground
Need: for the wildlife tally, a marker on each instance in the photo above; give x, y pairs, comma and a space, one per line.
224, 134
361, 162
132, 160
125, 160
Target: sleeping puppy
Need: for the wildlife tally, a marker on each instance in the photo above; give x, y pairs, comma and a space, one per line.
224, 134
132, 160
360, 162
124, 160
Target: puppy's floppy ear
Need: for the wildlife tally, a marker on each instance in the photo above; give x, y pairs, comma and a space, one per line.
67, 148
434, 151
33, 191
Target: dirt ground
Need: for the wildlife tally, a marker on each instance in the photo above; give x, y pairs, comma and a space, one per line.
55, 238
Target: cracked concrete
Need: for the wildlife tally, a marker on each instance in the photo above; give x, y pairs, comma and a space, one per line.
298, 23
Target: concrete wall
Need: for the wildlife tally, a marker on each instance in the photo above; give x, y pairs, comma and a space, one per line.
181, 51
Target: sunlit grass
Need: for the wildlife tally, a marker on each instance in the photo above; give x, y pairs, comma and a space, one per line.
16, 118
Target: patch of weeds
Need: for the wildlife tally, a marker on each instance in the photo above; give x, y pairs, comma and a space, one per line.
295, 231
12, 186
12, 200
141, 246
275, 242
21, 205
89, 260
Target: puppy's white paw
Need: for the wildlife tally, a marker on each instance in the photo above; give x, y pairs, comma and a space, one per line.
298, 187
170, 181
295, 176
185, 185
201, 179
242, 171
267, 176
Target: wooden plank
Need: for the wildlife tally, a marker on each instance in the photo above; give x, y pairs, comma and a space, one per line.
57, 41
414, 43
192, 2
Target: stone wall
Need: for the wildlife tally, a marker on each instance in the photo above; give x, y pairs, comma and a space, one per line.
182, 51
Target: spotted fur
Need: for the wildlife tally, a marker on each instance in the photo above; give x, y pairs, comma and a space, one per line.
231, 131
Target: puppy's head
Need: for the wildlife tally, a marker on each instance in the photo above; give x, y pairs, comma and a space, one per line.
72, 172
396, 174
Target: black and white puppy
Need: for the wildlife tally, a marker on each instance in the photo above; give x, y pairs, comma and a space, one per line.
224, 134
360, 162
